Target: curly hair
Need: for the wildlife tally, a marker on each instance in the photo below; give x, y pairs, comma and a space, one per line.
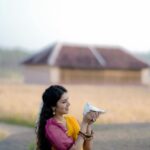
50, 98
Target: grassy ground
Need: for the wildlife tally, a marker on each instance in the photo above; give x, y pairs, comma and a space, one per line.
19, 103
2, 135
31, 146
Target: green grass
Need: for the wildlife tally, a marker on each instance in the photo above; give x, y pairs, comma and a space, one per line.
31, 146
2, 136
17, 121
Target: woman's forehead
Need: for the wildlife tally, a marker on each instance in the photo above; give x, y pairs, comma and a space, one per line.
64, 96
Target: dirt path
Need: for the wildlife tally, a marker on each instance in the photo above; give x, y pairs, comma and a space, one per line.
19, 137
107, 137
122, 137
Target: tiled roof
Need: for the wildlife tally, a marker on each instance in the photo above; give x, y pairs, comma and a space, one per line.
41, 57
116, 58
86, 57
77, 57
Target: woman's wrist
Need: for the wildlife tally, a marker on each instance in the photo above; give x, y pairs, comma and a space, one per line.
86, 136
89, 129
84, 127
84, 124
86, 131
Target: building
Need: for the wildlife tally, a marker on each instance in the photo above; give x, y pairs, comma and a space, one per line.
67, 63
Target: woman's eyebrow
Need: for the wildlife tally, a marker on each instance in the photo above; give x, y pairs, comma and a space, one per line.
65, 99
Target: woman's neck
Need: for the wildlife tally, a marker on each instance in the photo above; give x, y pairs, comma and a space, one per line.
59, 118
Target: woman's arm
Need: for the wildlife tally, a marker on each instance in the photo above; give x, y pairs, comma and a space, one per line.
88, 120
80, 140
89, 142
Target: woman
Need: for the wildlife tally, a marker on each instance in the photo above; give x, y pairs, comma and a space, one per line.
56, 129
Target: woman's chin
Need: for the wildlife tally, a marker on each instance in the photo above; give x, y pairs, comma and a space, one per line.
67, 111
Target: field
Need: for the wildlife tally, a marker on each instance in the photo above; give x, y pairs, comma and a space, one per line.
19, 103
3, 135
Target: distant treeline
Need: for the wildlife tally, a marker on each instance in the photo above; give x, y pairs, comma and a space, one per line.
10, 61
144, 56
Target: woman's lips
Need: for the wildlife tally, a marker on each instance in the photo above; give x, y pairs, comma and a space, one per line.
67, 109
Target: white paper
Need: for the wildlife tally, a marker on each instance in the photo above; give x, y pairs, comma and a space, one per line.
88, 107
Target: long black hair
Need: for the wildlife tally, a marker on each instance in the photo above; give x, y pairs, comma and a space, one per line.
50, 98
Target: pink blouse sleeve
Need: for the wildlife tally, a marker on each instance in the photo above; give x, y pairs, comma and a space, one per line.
57, 137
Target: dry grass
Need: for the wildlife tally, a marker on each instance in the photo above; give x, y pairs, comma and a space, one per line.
3, 135
124, 104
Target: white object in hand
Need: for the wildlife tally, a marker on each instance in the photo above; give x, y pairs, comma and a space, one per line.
88, 107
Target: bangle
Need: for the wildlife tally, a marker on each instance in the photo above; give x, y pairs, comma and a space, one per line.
91, 136
86, 136
89, 139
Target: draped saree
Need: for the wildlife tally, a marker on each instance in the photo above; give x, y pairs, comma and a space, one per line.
58, 136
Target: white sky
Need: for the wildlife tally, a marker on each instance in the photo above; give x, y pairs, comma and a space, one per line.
34, 24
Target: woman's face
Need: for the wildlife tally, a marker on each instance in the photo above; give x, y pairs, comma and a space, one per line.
63, 104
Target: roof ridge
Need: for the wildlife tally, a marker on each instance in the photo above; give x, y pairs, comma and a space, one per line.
98, 56
53, 56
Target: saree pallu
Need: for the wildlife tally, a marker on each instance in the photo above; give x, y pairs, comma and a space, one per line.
60, 137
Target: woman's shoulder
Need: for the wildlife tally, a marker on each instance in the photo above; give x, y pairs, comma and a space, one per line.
72, 125
50, 122
52, 125
71, 118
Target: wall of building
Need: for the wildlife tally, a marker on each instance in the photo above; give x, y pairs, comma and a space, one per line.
99, 76
36, 74
51, 75
54, 74
146, 76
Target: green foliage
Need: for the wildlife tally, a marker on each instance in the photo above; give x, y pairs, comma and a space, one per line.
9, 58
31, 146
2, 135
10, 61
18, 121
144, 56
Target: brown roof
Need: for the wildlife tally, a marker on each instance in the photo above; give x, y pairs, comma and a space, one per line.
77, 57
85, 57
117, 58
40, 57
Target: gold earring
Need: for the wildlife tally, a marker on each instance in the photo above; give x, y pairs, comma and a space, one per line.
54, 113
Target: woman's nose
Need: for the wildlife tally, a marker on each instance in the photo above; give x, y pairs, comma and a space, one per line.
68, 104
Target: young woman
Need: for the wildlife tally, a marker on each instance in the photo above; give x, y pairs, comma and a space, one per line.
56, 130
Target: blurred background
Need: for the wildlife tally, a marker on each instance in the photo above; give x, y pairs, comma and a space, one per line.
99, 50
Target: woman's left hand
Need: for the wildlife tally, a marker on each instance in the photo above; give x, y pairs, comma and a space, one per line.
93, 116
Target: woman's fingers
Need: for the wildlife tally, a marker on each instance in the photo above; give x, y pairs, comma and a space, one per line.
92, 116
95, 115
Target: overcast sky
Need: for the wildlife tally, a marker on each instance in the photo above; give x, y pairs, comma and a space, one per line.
34, 24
